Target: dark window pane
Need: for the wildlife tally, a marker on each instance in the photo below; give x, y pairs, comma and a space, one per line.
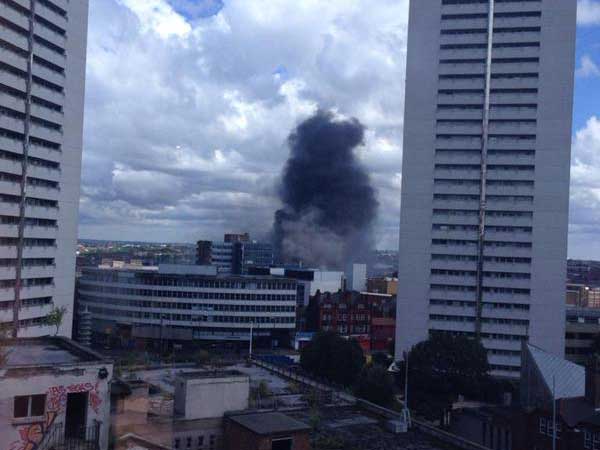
38, 405
21, 406
282, 444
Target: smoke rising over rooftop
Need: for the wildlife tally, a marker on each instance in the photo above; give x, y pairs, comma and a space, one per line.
329, 203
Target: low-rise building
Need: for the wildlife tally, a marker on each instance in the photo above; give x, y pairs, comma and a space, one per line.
53, 392
265, 431
383, 285
207, 394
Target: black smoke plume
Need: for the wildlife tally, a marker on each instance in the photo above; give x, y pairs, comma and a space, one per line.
329, 204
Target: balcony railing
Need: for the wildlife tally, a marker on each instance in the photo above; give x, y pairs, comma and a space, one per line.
60, 438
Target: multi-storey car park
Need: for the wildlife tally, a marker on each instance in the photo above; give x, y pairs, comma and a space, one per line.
485, 187
187, 303
42, 75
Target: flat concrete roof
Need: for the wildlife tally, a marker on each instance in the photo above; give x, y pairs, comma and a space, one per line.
46, 351
207, 374
269, 423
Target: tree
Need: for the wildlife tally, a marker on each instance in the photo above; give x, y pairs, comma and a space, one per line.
330, 356
596, 345
444, 367
55, 317
4, 334
376, 385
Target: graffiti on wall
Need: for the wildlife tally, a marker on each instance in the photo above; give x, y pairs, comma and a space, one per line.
32, 435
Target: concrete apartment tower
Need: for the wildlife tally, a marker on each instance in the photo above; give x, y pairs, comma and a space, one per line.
485, 175
42, 78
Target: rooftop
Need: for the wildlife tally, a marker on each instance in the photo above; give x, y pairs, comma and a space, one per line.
46, 351
207, 374
269, 423
564, 378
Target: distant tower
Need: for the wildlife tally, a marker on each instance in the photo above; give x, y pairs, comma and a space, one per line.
485, 174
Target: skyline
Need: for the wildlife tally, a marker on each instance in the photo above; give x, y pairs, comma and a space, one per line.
221, 86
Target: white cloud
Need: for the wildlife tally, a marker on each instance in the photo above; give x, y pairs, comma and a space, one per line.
588, 12
588, 68
187, 116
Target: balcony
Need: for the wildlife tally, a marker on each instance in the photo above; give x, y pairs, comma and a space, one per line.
458, 24
12, 124
61, 437
457, 83
13, 37
49, 154
47, 114
9, 209
516, 22
47, 134
41, 212
41, 232
11, 231
7, 273
523, 36
7, 294
51, 16
38, 271
12, 80
458, 143
460, 113
12, 102
44, 192
43, 172
14, 16
10, 166
10, 187
49, 75
50, 95
50, 35
39, 252
37, 291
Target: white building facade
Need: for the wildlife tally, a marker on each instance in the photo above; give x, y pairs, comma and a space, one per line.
485, 186
180, 303
42, 78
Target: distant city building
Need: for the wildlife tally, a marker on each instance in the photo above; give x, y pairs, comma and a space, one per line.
485, 185
235, 254
356, 277
55, 392
383, 285
42, 79
368, 317
149, 305
582, 328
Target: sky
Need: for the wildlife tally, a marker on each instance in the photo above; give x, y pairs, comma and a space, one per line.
189, 104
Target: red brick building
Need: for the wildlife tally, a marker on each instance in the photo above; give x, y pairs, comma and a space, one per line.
368, 317
265, 431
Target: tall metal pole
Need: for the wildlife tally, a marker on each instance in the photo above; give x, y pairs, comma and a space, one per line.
406, 380
250, 346
553, 412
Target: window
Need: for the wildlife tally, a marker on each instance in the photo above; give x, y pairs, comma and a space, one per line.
29, 405
200, 441
587, 439
282, 444
596, 445
177, 443
188, 442
543, 425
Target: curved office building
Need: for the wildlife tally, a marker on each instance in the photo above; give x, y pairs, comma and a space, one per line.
186, 303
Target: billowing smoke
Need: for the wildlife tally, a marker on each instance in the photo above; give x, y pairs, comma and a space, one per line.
329, 204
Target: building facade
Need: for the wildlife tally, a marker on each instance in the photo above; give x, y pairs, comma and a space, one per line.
186, 303
582, 328
42, 77
54, 394
485, 186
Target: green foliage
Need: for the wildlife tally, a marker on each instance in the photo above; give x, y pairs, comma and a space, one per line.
55, 317
444, 367
381, 359
376, 385
330, 356
4, 335
263, 389
329, 443
202, 357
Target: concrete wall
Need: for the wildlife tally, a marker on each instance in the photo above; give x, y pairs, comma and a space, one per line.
200, 398
56, 384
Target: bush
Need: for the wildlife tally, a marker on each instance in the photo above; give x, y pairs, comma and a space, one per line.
376, 385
